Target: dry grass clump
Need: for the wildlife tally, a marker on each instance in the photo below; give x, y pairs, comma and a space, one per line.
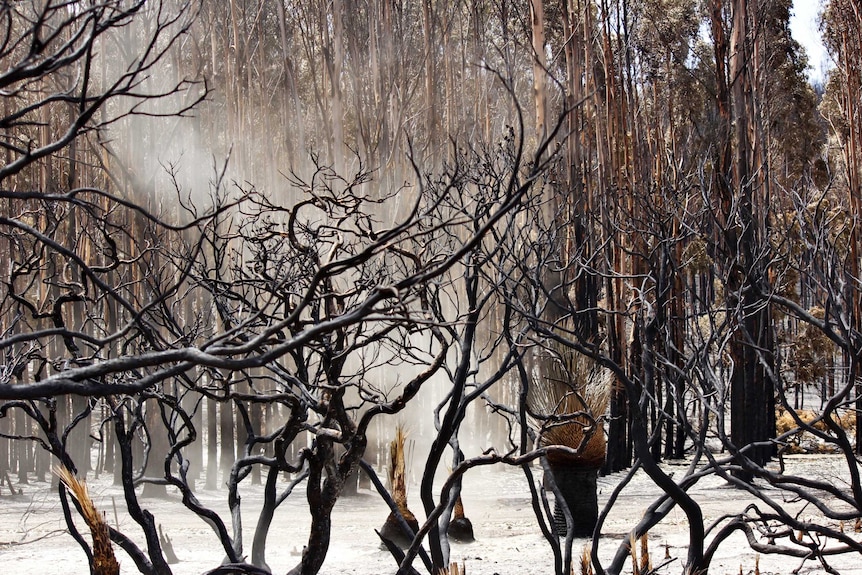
643, 564
567, 405
104, 561
586, 562
786, 423
454, 569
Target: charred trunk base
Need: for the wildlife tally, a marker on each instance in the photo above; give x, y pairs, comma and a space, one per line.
579, 489
461, 530
392, 530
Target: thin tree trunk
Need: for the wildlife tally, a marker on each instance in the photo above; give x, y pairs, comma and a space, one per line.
537, 20
227, 454
212, 468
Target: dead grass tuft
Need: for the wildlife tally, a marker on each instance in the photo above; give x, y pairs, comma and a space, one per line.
785, 422
397, 468
640, 565
454, 569
586, 562
646, 561
803, 442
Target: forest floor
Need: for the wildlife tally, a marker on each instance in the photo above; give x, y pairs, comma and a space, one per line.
33, 538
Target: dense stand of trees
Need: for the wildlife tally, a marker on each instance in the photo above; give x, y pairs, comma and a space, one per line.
225, 222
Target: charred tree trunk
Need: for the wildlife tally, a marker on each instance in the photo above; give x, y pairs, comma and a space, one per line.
619, 443
579, 492
325, 484
157, 439
752, 391
212, 444
227, 455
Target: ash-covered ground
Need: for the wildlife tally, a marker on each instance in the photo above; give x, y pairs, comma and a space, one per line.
33, 538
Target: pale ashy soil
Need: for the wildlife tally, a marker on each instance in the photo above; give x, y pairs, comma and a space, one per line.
33, 538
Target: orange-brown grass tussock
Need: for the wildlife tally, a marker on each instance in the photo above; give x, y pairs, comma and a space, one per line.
567, 404
785, 422
802, 442
586, 562
104, 561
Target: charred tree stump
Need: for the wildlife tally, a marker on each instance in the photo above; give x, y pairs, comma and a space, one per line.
393, 531
460, 527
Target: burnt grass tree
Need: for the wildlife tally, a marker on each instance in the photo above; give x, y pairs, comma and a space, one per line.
568, 401
393, 531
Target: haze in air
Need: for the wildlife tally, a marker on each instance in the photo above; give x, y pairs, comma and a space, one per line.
598, 261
